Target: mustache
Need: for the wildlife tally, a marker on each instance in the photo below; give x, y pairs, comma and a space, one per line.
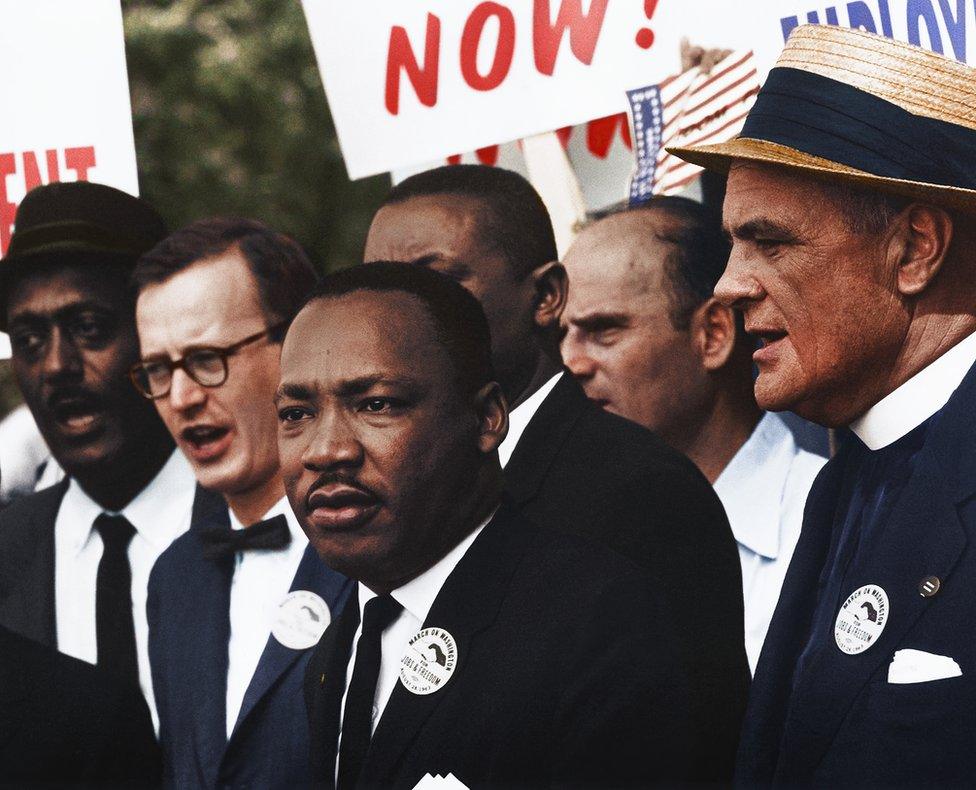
337, 478
64, 394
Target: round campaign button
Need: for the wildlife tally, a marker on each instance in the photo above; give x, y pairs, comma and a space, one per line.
302, 619
429, 661
861, 619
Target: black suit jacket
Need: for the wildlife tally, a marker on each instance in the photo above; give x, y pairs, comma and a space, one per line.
579, 469
562, 678
63, 721
27, 604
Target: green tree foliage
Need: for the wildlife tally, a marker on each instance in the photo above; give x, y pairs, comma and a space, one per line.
230, 118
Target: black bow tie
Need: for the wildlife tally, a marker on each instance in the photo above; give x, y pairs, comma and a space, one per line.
220, 542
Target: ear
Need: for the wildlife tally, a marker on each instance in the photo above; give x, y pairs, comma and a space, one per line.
713, 334
551, 288
920, 246
492, 410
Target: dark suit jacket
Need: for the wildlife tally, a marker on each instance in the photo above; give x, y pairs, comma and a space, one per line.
27, 560
578, 469
848, 725
189, 628
63, 721
561, 676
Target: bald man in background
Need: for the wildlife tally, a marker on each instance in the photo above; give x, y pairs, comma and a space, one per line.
646, 340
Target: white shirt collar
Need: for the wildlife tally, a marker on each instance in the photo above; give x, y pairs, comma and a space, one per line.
917, 399
157, 512
417, 595
520, 416
751, 486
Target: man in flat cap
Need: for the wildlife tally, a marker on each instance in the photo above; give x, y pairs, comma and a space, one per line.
75, 558
850, 204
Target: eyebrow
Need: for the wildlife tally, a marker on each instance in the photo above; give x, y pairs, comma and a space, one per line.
596, 321
294, 391
34, 317
762, 228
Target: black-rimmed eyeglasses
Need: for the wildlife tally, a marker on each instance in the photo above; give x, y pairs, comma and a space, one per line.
206, 365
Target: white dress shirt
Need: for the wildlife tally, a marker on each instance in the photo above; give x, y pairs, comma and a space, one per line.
160, 514
925, 393
764, 489
520, 416
416, 597
262, 578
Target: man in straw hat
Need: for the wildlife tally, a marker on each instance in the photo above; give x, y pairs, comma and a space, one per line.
849, 204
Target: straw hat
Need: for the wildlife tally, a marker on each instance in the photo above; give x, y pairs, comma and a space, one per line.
849, 106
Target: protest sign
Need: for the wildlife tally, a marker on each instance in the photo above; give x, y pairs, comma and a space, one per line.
66, 113
414, 83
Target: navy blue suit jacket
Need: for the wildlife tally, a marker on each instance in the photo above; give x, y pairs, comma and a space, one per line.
846, 724
189, 629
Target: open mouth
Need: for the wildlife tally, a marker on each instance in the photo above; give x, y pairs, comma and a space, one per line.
203, 442
77, 413
768, 340
340, 506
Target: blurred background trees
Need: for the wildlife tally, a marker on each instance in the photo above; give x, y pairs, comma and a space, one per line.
230, 117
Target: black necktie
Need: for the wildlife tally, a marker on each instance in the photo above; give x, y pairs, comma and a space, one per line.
357, 719
114, 628
220, 542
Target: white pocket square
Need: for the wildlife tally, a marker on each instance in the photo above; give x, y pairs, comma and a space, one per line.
438, 782
917, 666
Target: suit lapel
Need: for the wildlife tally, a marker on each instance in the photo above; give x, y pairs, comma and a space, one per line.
923, 537
29, 609
325, 685
333, 588
465, 606
206, 636
543, 437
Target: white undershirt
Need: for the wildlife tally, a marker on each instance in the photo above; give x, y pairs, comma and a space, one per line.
520, 416
925, 393
160, 513
416, 597
262, 578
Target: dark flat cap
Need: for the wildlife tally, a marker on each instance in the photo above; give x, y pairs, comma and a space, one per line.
79, 222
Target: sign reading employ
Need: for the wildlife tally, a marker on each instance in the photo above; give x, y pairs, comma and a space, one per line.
67, 115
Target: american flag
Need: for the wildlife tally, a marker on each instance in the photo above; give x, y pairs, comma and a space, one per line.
692, 108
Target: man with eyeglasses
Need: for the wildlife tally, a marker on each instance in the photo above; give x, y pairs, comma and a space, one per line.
236, 604
75, 558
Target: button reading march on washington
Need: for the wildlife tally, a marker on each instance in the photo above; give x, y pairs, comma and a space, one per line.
429, 661
861, 619
302, 619
929, 586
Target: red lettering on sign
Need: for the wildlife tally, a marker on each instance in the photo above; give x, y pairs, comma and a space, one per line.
8, 210
81, 160
584, 31
32, 173
600, 134
474, 28
401, 57
564, 134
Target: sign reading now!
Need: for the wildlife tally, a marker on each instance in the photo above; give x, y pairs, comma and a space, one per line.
66, 114
413, 82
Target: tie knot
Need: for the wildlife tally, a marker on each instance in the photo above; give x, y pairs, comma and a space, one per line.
116, 531
378, 613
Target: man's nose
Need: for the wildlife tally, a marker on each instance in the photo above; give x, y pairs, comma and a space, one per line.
184, 392
738, 286
575, 357
333, 443
62, 357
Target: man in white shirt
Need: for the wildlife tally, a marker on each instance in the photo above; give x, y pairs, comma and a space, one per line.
480, 646
647, 340
570, 465
75, 558
850, 204
235, 605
